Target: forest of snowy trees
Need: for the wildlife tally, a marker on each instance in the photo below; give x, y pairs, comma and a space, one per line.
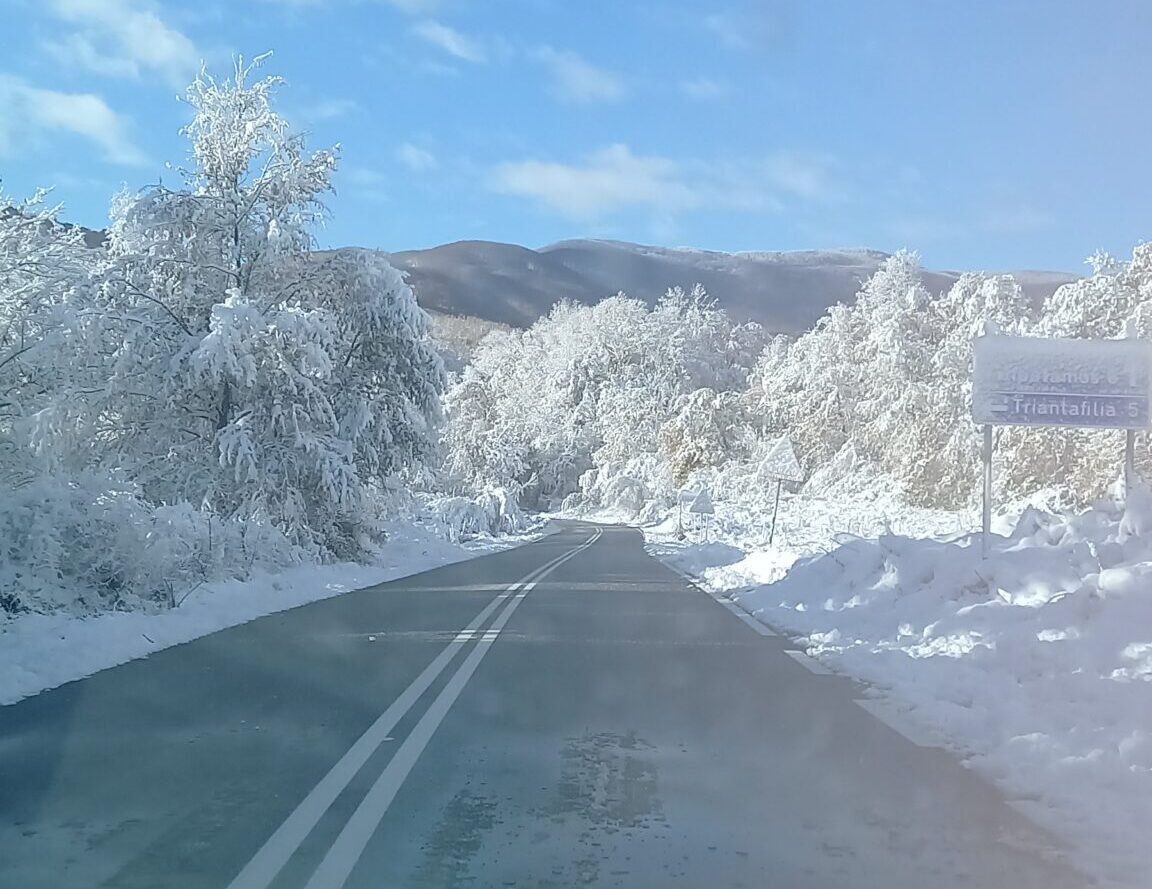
206, 394
617, 405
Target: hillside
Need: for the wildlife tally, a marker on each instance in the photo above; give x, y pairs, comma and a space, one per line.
784, 291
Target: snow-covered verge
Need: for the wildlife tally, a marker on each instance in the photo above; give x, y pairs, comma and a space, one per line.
1035, 665
42, 651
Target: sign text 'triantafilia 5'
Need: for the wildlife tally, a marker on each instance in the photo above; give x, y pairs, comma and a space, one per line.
1034, 381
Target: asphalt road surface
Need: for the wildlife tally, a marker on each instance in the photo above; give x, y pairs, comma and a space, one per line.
569, 713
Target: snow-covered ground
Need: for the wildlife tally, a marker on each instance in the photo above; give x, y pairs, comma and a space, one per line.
1035, 665
42, 651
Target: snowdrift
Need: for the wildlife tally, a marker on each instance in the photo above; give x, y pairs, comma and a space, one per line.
1034, 664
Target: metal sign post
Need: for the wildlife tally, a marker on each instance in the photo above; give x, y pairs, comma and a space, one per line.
986, 521
702, 508
775, 510
780, 464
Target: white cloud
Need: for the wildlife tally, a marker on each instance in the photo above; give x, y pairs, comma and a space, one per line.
412, 7
704, 89
611, 179
808, 177
366, 183
730, 28
577, 80
1016, 220
415, 158
121, 38
614, 179
27, 112
329, 109
450, 41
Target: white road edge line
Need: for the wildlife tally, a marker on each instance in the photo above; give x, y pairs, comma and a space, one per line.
270, 859
336, 866
808, 662
759, 626
896, 720
762, 628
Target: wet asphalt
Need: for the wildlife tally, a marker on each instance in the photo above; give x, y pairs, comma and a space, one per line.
620, 729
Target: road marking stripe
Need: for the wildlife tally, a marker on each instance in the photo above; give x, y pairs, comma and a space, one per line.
762, 628
809, 663
337, 864
896, 720
270, 859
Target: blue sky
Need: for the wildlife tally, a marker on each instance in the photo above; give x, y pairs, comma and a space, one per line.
987, 134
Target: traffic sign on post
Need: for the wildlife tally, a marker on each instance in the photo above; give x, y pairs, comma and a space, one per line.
780, 463
1034, 381
1038, 381
702, 504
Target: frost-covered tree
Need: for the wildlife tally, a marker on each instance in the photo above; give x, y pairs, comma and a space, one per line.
44, 266
889, 378
241, 372
705, 431
590, 387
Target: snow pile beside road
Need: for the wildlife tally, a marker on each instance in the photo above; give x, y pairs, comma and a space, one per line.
42, 651
1035, 664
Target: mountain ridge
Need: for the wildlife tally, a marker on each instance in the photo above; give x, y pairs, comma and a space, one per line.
786, 291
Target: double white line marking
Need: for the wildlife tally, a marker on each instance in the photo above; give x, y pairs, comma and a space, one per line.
346, 850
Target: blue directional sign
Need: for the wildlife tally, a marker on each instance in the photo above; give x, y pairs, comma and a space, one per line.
1033, 381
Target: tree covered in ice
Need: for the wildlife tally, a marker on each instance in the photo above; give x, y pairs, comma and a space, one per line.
589, 387
234, 369
889, 378
42, 265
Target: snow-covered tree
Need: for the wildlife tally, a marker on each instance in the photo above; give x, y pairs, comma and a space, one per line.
590, 387
42, 264
704, 432
240, 371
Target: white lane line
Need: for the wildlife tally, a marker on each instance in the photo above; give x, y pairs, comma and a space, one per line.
762, 628
337, 864
897, 720
809, 663
270, 859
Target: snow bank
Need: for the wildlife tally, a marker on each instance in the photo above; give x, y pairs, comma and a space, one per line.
42, 651
1035, 664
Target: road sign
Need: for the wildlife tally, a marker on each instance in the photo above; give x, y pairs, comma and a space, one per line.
702, 504
780, 462
1034, 381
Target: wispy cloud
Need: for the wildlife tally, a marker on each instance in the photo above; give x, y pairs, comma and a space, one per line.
412, 7
616, 179
805, 176
329, 109
731, 28
704, 89
610, 180
121, 38
574, 79
415, 158
451, 41
1019, 219
365, 183
27, 112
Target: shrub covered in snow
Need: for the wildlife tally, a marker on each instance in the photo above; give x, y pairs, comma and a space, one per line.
490, 513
